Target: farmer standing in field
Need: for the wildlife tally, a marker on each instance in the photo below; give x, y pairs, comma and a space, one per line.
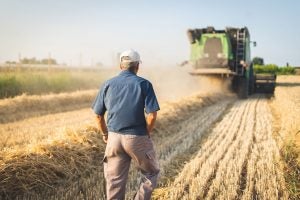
127, 132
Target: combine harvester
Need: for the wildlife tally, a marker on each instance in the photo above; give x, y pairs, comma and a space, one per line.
226, 53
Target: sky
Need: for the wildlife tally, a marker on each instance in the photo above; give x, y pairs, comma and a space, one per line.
91, 31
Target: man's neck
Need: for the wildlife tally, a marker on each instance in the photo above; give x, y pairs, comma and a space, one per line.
129, 70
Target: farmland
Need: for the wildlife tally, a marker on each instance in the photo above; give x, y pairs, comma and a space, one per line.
210, 145
35, 81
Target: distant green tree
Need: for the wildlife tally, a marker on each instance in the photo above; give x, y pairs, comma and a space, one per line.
50, 61
274, 69
33, 60
29, 61
258, 61
270, 68
25, 61
286, 70
11, 62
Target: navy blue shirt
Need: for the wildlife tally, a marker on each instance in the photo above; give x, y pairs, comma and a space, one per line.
126, 97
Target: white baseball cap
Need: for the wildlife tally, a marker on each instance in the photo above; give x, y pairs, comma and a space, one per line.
131, 56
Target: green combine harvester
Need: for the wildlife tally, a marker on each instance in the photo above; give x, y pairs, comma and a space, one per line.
226, 53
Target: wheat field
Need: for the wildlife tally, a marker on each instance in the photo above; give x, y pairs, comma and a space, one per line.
236, 161
285, 110
210, 146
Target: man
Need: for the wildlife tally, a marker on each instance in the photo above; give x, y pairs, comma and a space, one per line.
127, 133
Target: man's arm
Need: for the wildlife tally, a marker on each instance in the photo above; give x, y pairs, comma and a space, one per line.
102, 127
150, 119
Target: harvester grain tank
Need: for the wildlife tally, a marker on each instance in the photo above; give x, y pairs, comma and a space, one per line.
226, 53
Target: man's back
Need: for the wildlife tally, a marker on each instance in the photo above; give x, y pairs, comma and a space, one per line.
125, 97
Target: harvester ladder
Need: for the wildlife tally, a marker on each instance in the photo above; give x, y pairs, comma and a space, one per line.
240, 51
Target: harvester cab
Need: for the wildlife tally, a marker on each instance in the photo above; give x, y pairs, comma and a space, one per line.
226, 53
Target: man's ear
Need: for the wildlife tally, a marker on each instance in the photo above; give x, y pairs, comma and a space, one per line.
137, 67
120, 66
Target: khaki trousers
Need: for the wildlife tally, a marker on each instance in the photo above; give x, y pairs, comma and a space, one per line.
119, 151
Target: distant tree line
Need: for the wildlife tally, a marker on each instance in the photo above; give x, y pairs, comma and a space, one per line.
258, 61
260, 67
272, 68
33, 60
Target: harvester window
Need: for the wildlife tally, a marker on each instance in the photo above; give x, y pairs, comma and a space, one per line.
213, 47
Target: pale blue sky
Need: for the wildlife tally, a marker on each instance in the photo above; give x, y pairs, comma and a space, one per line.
99, 29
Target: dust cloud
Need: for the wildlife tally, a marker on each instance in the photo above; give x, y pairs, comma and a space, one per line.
173, 83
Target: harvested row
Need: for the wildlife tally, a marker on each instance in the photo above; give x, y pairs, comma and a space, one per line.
225, 167
84, 179
207, 158
227, 177
264, 172
25, 106
32, 131
47, 167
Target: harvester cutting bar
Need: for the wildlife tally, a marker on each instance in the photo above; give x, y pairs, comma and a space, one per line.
265, 83
267, 77
213, 71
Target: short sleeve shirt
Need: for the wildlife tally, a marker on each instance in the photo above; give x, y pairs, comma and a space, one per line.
126, 98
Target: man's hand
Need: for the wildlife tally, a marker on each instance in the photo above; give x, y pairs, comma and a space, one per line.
150, 119
102, 127
105, 138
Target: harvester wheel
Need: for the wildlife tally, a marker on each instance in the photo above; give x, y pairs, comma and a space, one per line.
234, 84
242, 90
251, 81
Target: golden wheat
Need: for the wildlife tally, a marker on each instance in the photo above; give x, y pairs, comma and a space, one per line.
216, 148
220, 170
33, 130
285, 109
73, 182
24, 106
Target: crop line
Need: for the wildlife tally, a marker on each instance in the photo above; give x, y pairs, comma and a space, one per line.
200, 123
211, 161
226, 173
232, 173
261, 167
193, 167
235, 136
244, 172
